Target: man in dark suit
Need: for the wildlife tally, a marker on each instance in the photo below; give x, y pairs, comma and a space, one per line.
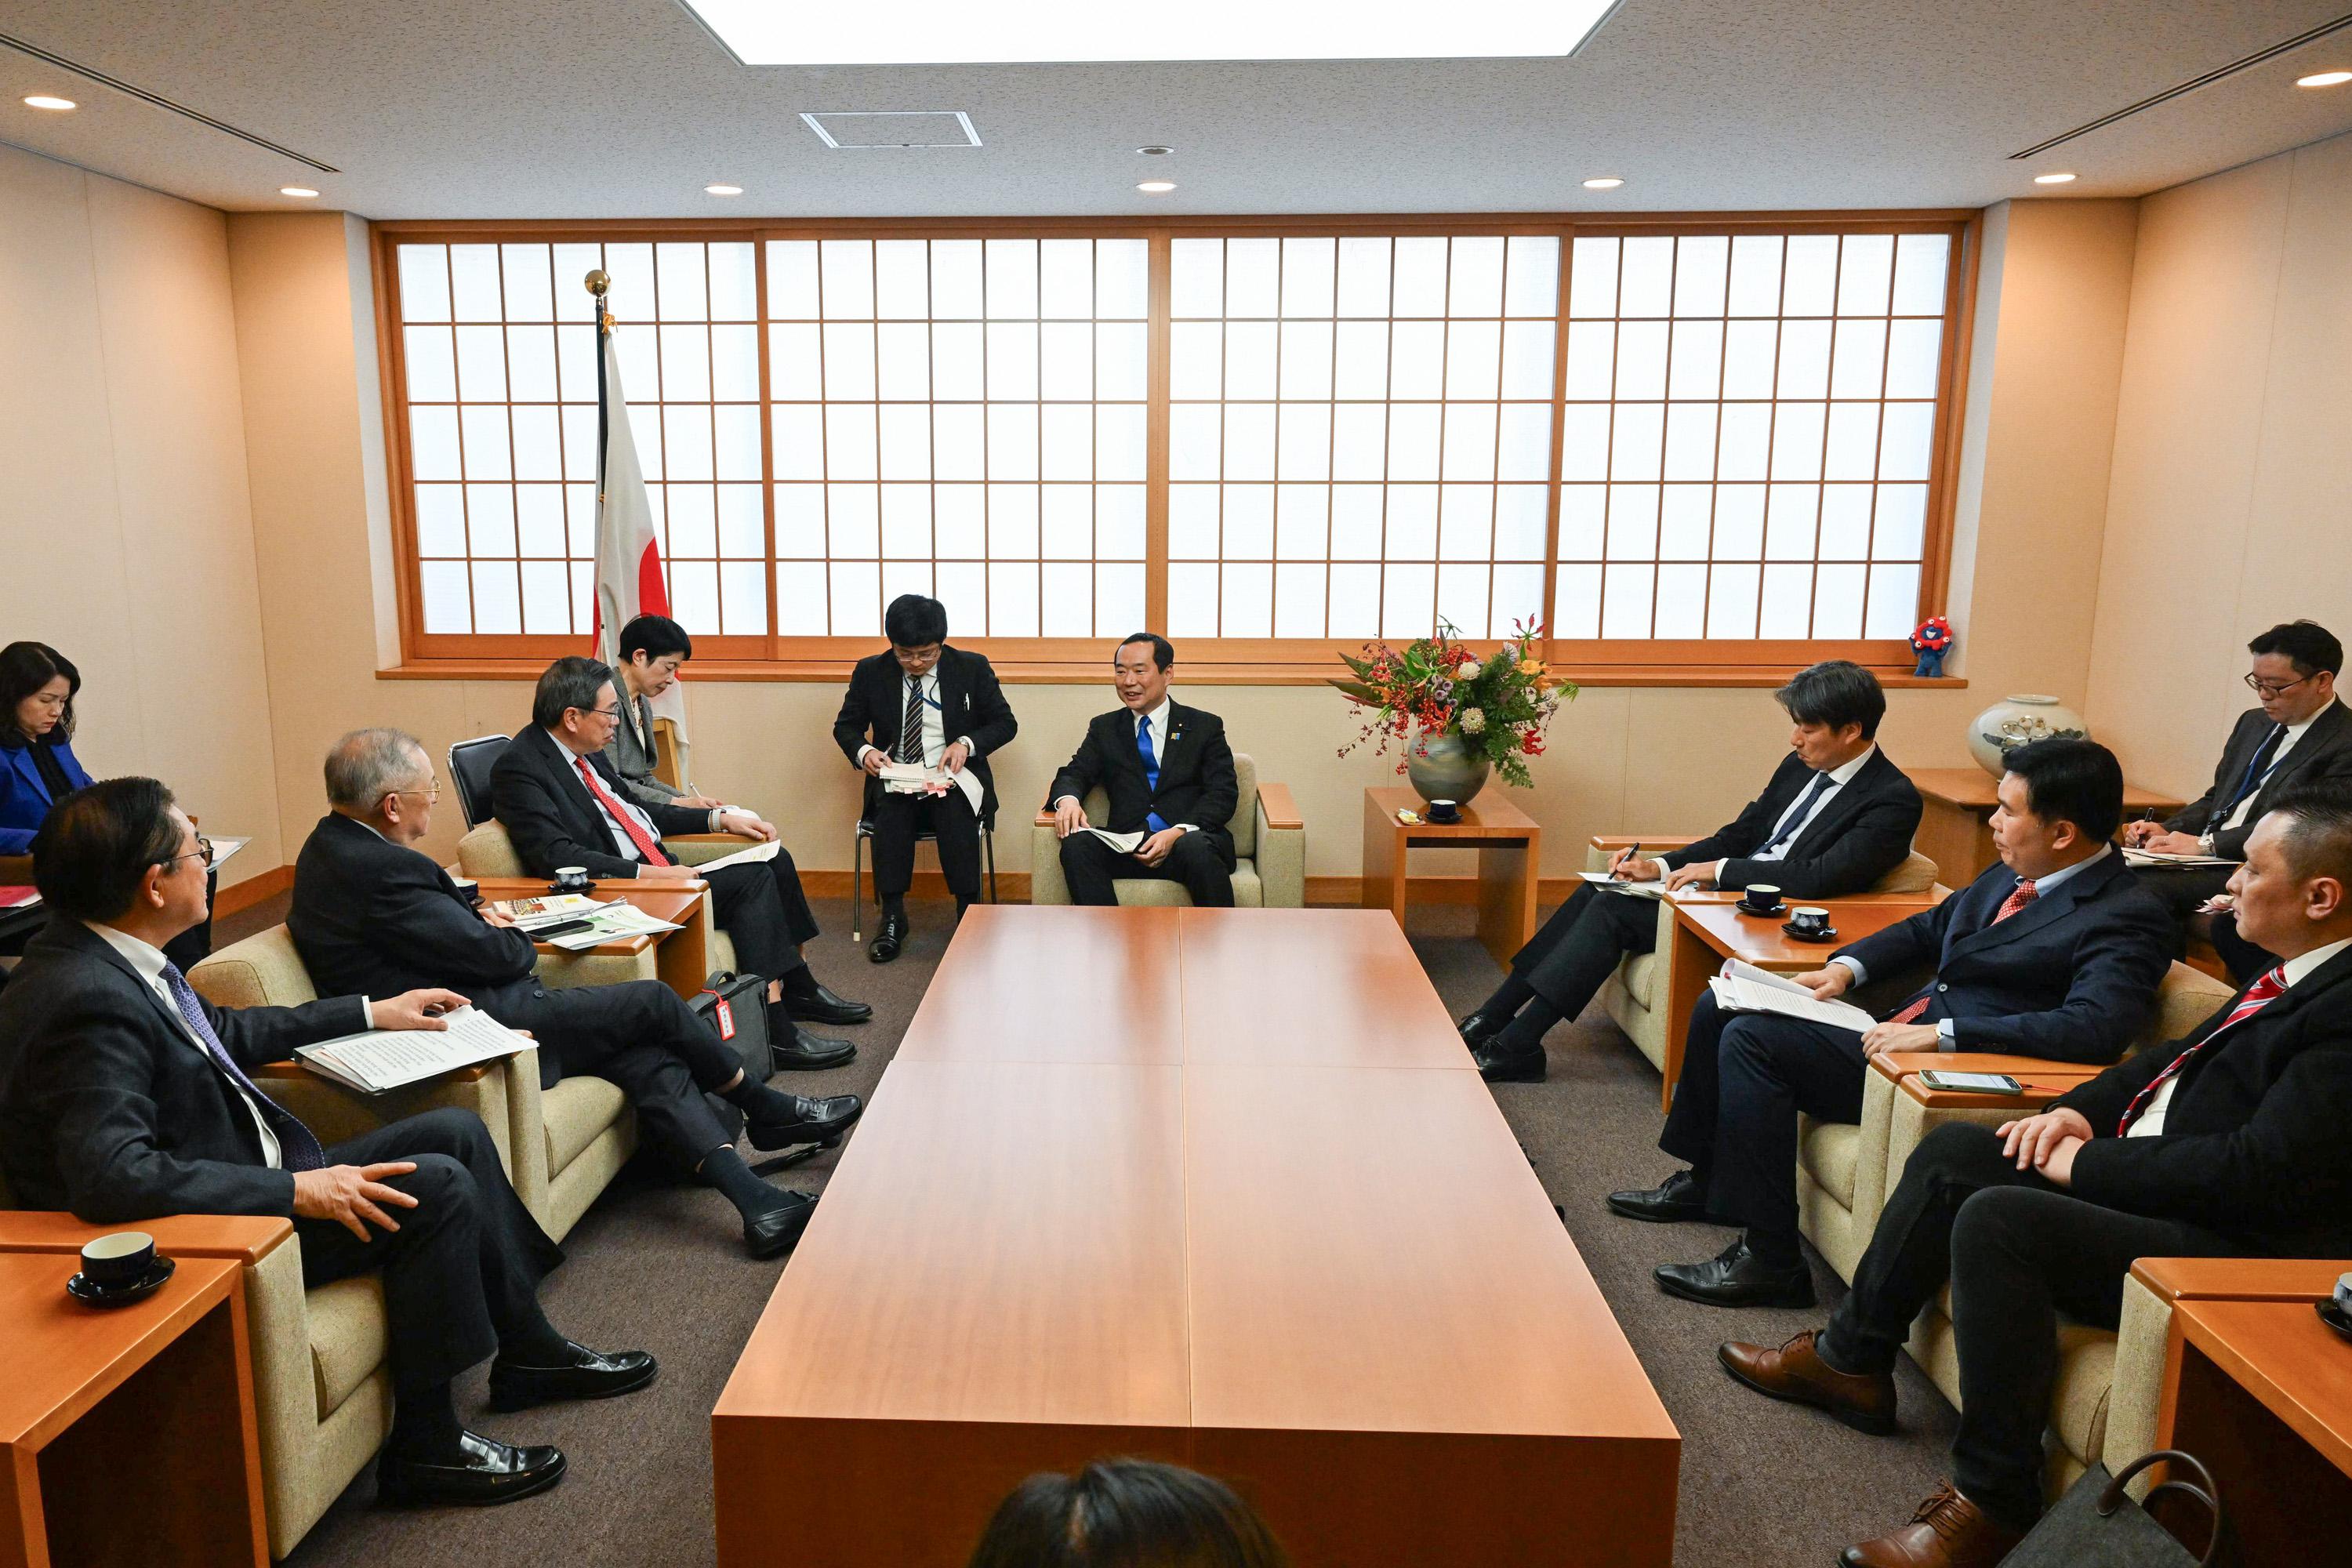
2301, 731
561, 803
2228, 1143
924, 704
124, 1097
1170, 778
1836, 817
371, 913
2055, 953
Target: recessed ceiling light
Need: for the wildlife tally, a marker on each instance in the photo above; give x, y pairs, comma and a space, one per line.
1155, 152
1605, 183
48, 101
722, 190
956, 32
305, 192
2053, 179
1157, 188
2321, 79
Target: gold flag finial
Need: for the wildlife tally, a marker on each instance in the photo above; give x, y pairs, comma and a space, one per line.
598, 281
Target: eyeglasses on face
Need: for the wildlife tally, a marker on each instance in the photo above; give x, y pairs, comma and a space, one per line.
203, 851
2274, 687
430, 794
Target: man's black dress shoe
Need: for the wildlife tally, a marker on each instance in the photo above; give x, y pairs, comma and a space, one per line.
475, 1470
799, 1051
888, 940
1737, 1277
1680, 1198
818, 1005
814, 1121
779, 1228
1476, 1027
1498, 1066
583, 1374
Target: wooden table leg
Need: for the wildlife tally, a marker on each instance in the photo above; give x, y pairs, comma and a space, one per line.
1506, 897
1383, 885
682, 957
1693, 964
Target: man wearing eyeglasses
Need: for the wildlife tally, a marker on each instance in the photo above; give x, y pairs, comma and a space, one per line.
2301, 732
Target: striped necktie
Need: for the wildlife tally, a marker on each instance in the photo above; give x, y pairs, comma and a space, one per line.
298, 1147
910, 732
2258, 995
2021, 895
648, 847
1796, 818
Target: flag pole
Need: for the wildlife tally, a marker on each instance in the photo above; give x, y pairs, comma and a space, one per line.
599, 283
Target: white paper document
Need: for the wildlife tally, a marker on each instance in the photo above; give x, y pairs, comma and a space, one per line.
766, 851
610, 923
2151, 857
552, 909
906, 778
1744, 988
383, 1059
1638, 890
1125, 842
223, 848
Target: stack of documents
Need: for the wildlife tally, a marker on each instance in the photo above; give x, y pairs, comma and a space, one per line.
905, 778
1638, 890
609, 922
2151, 857
532, 914
382, 1059
1744, 988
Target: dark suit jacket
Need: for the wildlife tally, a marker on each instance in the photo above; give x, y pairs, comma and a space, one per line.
24, 798
972, 704
109, 1108
536, 793
1862, 833
2070, 977
1197, 783
376, 919
2323, 753
2253, 1141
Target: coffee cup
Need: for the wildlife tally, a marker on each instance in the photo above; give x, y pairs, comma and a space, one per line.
1445, 811
569, 879
1809, 919
123, 1257
1762, 895
468, 889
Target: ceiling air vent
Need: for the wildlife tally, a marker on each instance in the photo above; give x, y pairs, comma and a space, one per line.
855, 128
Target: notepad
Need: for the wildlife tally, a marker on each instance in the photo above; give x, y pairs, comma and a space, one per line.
757, 852
2152, 858
1744, 988
382, 1060
1637, 889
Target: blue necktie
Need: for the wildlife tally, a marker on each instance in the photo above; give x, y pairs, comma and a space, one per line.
1796, 818
1151, 769
298, 1146
2258, 768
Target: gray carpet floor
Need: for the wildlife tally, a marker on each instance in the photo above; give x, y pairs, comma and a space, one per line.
659, 1264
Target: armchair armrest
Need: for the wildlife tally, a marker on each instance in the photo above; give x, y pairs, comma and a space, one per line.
2240, 1278
246, 1238
1281, 848
1280, 811
1043, 819
488, 1089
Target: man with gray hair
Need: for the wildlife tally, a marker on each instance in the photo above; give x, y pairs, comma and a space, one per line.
369, 906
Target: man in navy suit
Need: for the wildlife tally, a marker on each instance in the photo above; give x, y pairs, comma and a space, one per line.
1170, 775
2056, 952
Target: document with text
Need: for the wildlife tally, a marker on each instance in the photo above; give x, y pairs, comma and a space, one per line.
2155, 857
757, 852
1637, 889
383, 1059
1744, 988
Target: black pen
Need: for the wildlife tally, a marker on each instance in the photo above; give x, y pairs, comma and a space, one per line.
1632, 853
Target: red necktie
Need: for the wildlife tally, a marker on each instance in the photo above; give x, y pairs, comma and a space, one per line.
2259, 994
2024, 894
647, 845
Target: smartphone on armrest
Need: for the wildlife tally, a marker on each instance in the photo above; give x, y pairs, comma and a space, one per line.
1971, 1082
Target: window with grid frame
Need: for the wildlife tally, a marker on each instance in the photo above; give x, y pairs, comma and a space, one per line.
1673, 442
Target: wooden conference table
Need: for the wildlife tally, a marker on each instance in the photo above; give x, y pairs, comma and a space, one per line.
1215, 1186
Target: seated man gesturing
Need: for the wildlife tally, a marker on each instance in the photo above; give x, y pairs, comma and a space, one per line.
373, 913
124, 1096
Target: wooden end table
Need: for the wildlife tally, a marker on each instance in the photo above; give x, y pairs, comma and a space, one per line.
1956, 821
128, 1433
681, 957
1508, 845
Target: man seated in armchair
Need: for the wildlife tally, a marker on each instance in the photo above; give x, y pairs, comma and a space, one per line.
2229, 1144
125, 1097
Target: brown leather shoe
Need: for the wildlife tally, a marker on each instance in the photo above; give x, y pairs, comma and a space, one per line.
1796, 1372
1949, 1531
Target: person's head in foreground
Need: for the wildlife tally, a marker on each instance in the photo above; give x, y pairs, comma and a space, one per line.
1126, 1513
2294, 893
121, 853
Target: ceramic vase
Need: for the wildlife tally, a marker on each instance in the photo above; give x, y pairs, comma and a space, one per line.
1444, 767
2016, 719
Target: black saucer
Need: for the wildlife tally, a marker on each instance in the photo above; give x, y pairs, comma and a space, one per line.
2333, 1317
1828, 933
81, 1289
1745, 908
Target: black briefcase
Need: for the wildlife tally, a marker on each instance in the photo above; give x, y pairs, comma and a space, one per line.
2097, 1525
736, 1009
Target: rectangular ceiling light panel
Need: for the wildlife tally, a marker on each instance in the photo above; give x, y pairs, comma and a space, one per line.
972, 32
894, 127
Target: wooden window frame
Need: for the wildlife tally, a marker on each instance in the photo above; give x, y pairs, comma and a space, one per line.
1230, 660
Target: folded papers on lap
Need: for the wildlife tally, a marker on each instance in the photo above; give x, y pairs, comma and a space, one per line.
382, 1059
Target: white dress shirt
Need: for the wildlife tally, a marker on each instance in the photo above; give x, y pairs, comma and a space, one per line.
1159, 717
2043, 887
935, 734
148, 962
2286, 743
623, 845
2151, 1121
1840, 776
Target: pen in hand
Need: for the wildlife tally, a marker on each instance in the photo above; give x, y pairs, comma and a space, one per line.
1632, 853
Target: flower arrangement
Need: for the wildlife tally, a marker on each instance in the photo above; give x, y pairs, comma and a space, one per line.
1499, 706
1931, 642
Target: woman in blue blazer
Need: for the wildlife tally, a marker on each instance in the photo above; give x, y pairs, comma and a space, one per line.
38, 685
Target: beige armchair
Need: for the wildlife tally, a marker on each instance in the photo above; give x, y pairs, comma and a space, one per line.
1269, 849
487, 851
1635, 996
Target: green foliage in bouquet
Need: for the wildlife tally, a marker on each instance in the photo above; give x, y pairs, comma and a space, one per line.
1439, 685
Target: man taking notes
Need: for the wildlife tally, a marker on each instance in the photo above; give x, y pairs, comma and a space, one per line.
371, 913
2229, 1144
124, 1096
1836, 817
1171, 783
2053, 952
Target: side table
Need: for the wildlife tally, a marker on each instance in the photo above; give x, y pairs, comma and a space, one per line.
1508, 841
